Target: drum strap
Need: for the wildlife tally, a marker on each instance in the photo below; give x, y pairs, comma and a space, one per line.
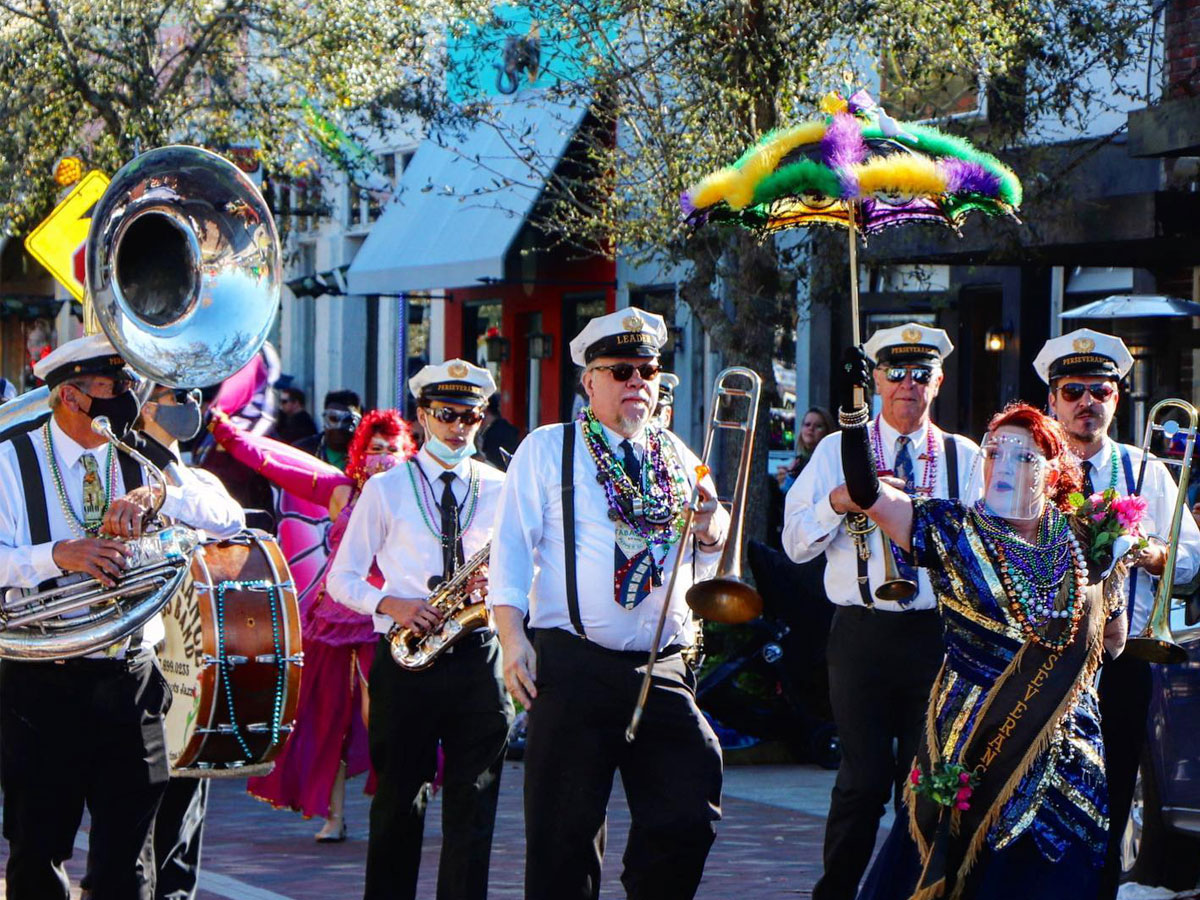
568, 513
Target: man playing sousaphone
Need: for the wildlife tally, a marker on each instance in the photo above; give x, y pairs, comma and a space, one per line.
84, 731
1006, 795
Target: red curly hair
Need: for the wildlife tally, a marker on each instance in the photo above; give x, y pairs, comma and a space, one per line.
1051, 439
385, 422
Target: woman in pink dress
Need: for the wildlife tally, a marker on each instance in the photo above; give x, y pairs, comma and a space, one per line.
329, 743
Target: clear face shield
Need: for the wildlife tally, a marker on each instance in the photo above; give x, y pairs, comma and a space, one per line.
1010, 474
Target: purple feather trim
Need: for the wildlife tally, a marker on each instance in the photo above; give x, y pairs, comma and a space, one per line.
969, 177
686, 204
841, 147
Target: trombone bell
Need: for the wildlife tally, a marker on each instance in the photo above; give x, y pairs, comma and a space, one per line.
725, 599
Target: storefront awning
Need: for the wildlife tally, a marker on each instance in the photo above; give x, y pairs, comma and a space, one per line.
463, 198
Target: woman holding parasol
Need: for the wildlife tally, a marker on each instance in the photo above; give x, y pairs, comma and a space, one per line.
1007, 794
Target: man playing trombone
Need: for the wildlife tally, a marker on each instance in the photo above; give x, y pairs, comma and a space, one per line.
885, 643
1083, 370
587, 534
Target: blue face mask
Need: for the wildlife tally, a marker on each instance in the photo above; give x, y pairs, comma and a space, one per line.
446, 454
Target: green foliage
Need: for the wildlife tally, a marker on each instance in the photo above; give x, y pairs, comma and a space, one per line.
104, 78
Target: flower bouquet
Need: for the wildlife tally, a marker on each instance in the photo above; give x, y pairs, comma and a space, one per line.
947, 784
1111, 526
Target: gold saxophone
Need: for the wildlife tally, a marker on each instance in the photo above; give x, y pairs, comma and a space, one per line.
414, 650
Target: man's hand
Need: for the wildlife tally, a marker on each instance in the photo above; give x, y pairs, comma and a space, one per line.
411, 613
839, 499
1152, 557
127, 515
710, 521
517, 654
477, 585
101, 558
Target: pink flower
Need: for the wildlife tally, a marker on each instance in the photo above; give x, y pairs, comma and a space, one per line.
1099, 516
964, 777
964, 793
915, 775
1130, 510
1097, 499
963, 805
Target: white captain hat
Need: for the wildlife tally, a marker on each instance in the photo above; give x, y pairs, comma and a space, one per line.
91, 355
1083, 352
627, 332
453, 381
909, 343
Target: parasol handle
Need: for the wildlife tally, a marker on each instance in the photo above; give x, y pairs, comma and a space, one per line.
855, 336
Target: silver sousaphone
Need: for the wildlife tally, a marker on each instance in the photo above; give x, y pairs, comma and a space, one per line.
183, 276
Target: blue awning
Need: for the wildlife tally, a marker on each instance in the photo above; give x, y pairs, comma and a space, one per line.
463, 198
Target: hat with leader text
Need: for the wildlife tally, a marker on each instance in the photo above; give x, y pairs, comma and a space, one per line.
91, 355
453, 381
626, 332
1083, 352
908, 343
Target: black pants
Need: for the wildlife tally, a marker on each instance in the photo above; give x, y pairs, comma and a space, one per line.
575, 744
461, 701
86, 731
178, 835
1124, 703
881, 668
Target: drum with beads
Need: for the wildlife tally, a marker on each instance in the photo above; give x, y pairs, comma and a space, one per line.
232, 657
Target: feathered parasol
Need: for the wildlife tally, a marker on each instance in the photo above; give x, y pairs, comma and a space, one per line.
855, 167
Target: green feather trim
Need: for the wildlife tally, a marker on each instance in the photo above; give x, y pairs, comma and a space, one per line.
799, 177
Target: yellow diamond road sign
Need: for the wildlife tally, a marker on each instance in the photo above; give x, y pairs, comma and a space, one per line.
56, 242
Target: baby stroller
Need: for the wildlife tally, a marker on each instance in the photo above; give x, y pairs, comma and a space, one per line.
770, 679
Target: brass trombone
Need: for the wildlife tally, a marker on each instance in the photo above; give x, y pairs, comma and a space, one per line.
1155, 643
726, 597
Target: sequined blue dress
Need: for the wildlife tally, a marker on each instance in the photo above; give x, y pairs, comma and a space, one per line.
1049, 838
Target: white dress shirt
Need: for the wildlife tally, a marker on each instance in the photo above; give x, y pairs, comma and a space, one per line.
201, 501
527, 567
811, 527
1160, 491
399, 528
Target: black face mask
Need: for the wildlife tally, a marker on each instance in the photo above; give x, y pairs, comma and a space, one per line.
122, 411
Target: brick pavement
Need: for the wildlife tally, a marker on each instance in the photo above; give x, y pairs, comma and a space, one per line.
764, 849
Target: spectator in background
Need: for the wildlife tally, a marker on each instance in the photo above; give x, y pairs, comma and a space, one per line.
294, 423
340, 417
817, 423
497, 434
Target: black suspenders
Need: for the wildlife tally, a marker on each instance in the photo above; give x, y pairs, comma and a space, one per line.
568, 512
35, 489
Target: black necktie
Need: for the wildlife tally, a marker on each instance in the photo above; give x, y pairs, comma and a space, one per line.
633, 468
450, 537
1088, 487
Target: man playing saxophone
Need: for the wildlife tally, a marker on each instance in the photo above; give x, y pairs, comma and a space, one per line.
86, 730
419, 522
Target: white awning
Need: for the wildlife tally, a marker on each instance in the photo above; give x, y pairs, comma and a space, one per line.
1134, 306
463, 198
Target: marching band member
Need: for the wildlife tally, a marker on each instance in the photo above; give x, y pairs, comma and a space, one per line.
1082, 370
88, 730
883, 655
586, 538
418, 522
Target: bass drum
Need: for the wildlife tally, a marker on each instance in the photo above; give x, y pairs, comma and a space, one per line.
232, 657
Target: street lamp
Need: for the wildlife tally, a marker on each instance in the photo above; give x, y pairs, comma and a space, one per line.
541, 346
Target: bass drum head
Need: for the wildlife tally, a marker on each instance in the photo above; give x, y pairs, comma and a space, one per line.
189, 634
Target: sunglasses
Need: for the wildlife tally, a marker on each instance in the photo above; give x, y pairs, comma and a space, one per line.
181, 395
343, 419
447, 416
895, 374
624, 371
1074, 390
